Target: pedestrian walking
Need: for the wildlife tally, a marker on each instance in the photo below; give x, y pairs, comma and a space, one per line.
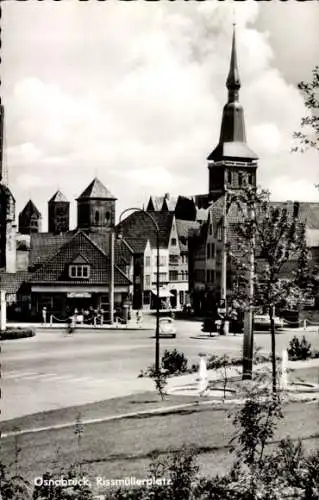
139, 318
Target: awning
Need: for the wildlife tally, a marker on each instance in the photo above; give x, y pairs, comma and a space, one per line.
163, 293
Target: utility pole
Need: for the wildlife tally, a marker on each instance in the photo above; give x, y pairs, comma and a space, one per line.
111, 277
248, 346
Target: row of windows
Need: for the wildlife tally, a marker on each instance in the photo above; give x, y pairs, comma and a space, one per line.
209, 277
173, 259
81, 271
240, 177
173, 276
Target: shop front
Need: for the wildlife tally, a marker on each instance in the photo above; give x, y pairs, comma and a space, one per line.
61, 302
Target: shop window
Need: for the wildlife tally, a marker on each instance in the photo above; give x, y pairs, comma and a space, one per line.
79, 271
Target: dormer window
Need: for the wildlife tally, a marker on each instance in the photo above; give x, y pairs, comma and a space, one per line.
79, 271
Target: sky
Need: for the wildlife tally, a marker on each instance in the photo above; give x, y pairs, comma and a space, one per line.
132, 92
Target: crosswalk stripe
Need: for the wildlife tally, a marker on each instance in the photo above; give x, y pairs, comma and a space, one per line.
52, 377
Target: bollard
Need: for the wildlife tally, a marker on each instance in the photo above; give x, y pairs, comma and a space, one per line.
51, 320
304, 324
3, 311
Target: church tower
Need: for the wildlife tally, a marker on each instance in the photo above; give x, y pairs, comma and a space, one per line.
96, 207
59, 213
7, 213
30, 219
232, 162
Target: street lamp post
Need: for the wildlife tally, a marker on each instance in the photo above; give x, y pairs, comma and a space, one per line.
111, 280
157, 337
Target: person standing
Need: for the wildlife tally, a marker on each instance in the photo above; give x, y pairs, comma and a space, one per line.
44, 316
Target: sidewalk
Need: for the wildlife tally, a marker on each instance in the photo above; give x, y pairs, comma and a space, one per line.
131, 325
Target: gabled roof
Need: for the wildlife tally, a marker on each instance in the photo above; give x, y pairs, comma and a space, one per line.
169, 203
137, 228
5, 191
55, 269
58, 197
30, 209
96, 190
11, 282
45, 245
183, 228
155, 204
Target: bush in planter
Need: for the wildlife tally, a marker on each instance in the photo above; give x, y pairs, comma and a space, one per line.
299, 349
16, 333
174, 362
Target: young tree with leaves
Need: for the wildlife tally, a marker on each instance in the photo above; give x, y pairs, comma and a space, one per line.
308, 135
277, 239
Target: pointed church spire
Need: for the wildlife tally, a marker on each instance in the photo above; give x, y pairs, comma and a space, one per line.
233, 80
232, 139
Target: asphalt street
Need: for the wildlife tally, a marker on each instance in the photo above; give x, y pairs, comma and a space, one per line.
55, 370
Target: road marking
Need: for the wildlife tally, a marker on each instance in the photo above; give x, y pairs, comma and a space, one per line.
17, 374
52, 377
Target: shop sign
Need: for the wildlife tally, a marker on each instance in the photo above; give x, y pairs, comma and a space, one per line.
79, 295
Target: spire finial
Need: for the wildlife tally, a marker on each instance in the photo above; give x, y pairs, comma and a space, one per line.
233, 80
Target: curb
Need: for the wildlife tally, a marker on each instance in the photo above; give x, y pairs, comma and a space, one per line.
121, 416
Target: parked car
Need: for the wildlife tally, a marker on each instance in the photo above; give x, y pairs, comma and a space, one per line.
167, 327
262, 322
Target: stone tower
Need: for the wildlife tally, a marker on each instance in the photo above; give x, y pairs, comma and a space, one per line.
96, 207
30, 219
232, 162
59, 213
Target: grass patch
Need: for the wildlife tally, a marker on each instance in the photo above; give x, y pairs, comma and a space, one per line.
118, 449
304, 375
116, 406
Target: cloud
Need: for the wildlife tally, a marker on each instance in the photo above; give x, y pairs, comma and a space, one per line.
133, 92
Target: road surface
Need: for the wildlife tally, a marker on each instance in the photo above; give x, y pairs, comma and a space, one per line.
54, 370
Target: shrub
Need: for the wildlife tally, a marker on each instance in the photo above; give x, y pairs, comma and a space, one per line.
160, 380
174, 362
16, 333
299, 349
